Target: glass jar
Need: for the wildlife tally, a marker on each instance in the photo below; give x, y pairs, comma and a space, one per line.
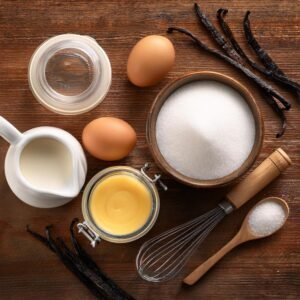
69, 74
89, 227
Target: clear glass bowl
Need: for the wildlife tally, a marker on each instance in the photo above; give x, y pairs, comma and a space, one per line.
112, 171
69, 74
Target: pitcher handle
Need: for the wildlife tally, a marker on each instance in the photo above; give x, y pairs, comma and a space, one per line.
10, 133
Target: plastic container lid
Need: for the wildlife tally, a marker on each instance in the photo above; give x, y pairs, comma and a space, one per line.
69, 74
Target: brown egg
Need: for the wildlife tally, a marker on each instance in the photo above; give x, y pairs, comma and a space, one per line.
150, 60
108, 138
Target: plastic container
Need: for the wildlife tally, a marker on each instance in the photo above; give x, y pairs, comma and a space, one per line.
69, 74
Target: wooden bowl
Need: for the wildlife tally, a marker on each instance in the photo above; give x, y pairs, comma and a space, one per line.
163, 96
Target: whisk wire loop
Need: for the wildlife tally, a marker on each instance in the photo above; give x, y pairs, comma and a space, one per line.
162, 257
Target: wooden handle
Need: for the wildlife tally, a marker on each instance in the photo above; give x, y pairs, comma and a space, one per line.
265, 173
202, 269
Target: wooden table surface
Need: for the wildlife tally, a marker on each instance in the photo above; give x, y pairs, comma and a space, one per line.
261, 269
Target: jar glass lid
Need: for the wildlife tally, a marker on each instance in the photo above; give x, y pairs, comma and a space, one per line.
69, 74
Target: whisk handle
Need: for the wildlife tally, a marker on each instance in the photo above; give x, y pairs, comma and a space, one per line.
264, 174
193, 277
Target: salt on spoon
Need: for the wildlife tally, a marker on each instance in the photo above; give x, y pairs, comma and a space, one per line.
264, 219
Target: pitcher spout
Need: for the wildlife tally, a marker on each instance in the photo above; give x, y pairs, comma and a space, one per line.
79, 170
69, 193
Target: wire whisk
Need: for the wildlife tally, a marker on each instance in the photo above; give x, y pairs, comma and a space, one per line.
162, 257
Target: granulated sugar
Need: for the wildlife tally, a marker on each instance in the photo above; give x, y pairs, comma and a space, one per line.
266, 218
205, 130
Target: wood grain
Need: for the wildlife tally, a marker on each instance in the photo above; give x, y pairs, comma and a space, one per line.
260, 269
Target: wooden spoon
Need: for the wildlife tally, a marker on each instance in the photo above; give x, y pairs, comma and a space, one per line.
242, 236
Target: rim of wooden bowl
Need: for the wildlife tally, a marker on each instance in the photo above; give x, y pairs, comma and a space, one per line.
163, 96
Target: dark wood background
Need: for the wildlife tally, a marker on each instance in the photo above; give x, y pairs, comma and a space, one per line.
261, 269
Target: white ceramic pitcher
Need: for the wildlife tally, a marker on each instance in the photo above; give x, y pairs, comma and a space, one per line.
30, 183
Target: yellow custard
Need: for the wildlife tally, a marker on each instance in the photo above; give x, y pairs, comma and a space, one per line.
120, 204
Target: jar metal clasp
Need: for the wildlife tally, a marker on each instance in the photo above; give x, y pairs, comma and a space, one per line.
90, 234
156, 178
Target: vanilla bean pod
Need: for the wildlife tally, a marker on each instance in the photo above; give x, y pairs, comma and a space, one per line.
273, 74
91, 264
106, 291
216, 35
50, 244
228, 46
221, 13
264, 86
84, 269
261, 83
234, 51
39, 237
269, 63
278, 110
74, 268
260, 52
79, 250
